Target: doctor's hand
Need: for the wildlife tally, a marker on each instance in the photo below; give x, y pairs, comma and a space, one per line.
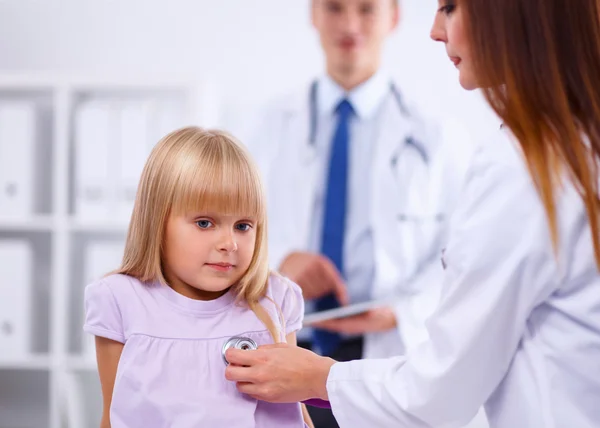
372, 321
279, 373
316, 275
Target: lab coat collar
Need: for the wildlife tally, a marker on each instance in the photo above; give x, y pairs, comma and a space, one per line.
365, 98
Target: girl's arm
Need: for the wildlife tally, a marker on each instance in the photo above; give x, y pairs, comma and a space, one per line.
291, 340
108, 353
307, 420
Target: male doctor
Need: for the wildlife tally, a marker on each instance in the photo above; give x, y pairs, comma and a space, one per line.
360, 189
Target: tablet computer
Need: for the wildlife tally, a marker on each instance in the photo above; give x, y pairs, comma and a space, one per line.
343, 311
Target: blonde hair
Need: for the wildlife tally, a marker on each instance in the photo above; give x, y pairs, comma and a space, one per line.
192, 169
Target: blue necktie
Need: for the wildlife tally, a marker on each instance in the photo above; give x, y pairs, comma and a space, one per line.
334, 218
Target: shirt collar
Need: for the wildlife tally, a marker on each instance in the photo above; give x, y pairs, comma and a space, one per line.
365, 98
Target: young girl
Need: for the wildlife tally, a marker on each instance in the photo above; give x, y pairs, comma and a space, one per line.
194, 281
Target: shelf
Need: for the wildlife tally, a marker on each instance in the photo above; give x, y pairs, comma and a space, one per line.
33, 362
81, 364
83, 399
27, 223
81, 225
24, 399
59, 245
45, 82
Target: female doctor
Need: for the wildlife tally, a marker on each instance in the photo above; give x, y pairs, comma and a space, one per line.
518, 325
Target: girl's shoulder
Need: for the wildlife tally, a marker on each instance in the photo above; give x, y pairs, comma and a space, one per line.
109, 303
281, 288
287, 296
121, 289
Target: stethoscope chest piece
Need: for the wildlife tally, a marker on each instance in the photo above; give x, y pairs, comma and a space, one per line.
238, 342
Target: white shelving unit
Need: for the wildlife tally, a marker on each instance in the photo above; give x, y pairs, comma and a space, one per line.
54, 384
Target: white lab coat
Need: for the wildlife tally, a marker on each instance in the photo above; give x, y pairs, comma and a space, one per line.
413, 192
517, 327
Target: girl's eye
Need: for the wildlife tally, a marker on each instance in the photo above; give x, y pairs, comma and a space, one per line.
244, 227
203, 224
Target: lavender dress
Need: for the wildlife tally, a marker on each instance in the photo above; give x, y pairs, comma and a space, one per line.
171, 372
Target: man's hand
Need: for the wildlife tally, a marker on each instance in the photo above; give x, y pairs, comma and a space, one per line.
316, 275
372, 321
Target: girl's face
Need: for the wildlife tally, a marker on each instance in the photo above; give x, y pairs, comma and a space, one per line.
448, 28
206, 253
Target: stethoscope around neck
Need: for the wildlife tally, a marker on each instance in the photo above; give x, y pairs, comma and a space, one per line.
314, 120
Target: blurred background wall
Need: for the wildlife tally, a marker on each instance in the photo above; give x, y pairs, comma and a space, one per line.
250, 50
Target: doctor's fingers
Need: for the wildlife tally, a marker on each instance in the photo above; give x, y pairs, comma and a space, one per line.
334, 282
240, 357
263, 392
314, 282
259, 376
242, 374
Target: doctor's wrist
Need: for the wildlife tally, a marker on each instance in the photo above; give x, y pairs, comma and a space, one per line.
320, 376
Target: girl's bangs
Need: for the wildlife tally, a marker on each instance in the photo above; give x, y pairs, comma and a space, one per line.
232, 189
